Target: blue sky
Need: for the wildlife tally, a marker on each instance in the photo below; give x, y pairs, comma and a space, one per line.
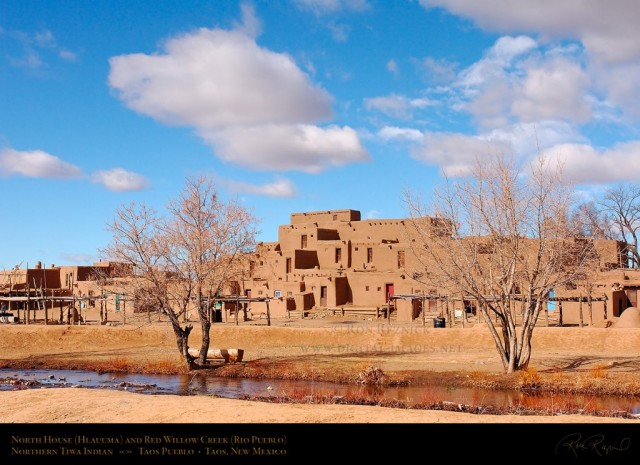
297, 105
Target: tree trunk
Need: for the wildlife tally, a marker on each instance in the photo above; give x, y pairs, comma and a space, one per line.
182, 341
580, 307
206, 339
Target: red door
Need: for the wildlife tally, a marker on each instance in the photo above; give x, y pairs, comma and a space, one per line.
388, 291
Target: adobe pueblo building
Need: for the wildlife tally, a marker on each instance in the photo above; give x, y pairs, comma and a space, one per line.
333, 260
324, 261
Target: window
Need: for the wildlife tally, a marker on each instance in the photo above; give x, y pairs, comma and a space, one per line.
289, 294
338, 254
288, 265
303, 241
259, 292
335, 217
400, 258
366, 288
369, 254
277, 293
379, 288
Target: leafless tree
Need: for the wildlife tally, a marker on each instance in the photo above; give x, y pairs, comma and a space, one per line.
139, 239
592, 222
621, 205
501, 236
183, 257
209, 237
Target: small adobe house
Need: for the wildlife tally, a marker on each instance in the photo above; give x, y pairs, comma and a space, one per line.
335, 260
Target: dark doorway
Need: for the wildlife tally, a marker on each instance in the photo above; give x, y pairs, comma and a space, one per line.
323, 296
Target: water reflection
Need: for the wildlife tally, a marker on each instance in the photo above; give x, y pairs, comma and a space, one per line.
203, 384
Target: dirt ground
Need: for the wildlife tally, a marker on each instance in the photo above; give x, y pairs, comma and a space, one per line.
68, 405
332, 349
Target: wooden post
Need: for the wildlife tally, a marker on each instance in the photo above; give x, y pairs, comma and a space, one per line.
236, 312
124, 309
580, 307
27, 316
590, 308
424, 317
268, 314
46, 310
546, 312
560, 313
605, 307
61, 312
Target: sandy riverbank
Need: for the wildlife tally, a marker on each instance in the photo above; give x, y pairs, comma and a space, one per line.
330, 349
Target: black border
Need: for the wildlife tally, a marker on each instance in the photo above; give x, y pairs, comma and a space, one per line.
371, 442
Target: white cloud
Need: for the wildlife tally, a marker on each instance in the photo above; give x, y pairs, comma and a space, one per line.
339, 32
120, 180
372, 214
37, 49
607, 29
518, 81
554, 90
438, 70
231, 90
456, 154
44, 38
621, 83
500, 56
584, 164
393, 132
526, 138
35, 164
392, 67
280, 188
287, 147
325, 7
397, 106
213, 78
67, 55
250, 25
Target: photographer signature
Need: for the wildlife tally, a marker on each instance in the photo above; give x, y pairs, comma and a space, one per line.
596, 443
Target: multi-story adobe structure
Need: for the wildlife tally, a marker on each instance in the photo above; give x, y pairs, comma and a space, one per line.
329, 260
334, 259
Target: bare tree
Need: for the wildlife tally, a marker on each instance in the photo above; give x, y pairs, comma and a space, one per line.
208, 238
621, 205
501, 236
139, 239
186, 257
592, 222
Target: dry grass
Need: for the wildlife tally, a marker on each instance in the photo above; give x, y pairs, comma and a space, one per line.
598, 371
529, 379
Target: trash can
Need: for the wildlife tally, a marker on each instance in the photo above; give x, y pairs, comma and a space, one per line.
439, 322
